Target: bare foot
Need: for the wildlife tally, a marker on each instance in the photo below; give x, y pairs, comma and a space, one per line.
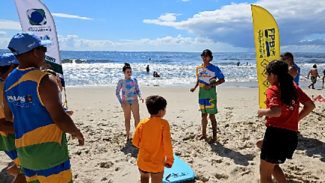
202, 137
214, 139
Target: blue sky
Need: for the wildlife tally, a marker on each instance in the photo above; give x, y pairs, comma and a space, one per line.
174, 25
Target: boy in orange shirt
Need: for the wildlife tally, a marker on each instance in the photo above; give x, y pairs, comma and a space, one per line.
152, 137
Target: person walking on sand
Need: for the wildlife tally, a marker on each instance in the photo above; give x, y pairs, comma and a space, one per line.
7, 137
283, 98
208, 77
294, 69
313, 73
152, 137
130, 90
40, 122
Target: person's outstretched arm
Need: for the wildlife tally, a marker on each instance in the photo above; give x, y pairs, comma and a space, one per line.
49, 95
308, 107
270, 112
7, 111
197, 80
6, 126
196, 85
274, 109
137, 136
117, 91
167, 143
219, 76
308, 104
137, 89
219, 82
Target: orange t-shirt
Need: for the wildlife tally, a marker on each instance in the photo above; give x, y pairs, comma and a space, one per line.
152, 137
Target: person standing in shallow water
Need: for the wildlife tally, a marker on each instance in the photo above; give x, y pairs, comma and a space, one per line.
208, 77
130, 90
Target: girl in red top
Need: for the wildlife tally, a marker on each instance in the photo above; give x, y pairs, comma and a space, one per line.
282, 116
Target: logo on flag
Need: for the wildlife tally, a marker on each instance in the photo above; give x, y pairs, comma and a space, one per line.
36, 16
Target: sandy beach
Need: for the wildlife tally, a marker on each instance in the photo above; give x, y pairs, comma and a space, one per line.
234, 158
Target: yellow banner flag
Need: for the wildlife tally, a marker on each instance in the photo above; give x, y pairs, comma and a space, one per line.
267, 45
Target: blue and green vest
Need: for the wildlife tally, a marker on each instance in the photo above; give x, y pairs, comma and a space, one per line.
40, 143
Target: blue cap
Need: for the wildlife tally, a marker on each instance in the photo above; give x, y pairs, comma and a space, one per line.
25, 42
7, 59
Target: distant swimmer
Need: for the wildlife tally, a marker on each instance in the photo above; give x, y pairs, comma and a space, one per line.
155, 74
148, 69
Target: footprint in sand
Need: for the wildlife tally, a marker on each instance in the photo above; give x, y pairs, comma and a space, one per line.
221, 176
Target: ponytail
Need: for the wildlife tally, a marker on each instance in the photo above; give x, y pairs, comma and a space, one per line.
126, 66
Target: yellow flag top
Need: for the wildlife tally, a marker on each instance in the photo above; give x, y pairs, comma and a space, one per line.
267, 45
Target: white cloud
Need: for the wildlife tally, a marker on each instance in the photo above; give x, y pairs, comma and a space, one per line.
165, 19
64, 15
9, 25
232, 23
167, 43
186, 0
4, 40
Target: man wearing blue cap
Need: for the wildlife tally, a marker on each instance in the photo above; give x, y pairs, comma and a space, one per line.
40, 122
7, 138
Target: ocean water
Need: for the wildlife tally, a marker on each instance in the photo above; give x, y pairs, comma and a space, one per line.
175, 68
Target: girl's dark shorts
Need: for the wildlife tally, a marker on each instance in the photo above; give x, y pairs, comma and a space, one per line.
278, 145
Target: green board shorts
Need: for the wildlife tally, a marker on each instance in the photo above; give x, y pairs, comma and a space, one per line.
208, 100
313, 79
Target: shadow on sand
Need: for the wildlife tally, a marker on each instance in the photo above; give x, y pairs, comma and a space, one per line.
130, 149
313, 147
238, 158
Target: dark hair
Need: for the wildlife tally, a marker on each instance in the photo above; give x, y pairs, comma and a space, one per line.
288, 91
288, 54
314, 66
207, 52
126, 66
4, 69
155, 103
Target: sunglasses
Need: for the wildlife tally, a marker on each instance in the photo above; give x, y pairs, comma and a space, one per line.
42, 48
